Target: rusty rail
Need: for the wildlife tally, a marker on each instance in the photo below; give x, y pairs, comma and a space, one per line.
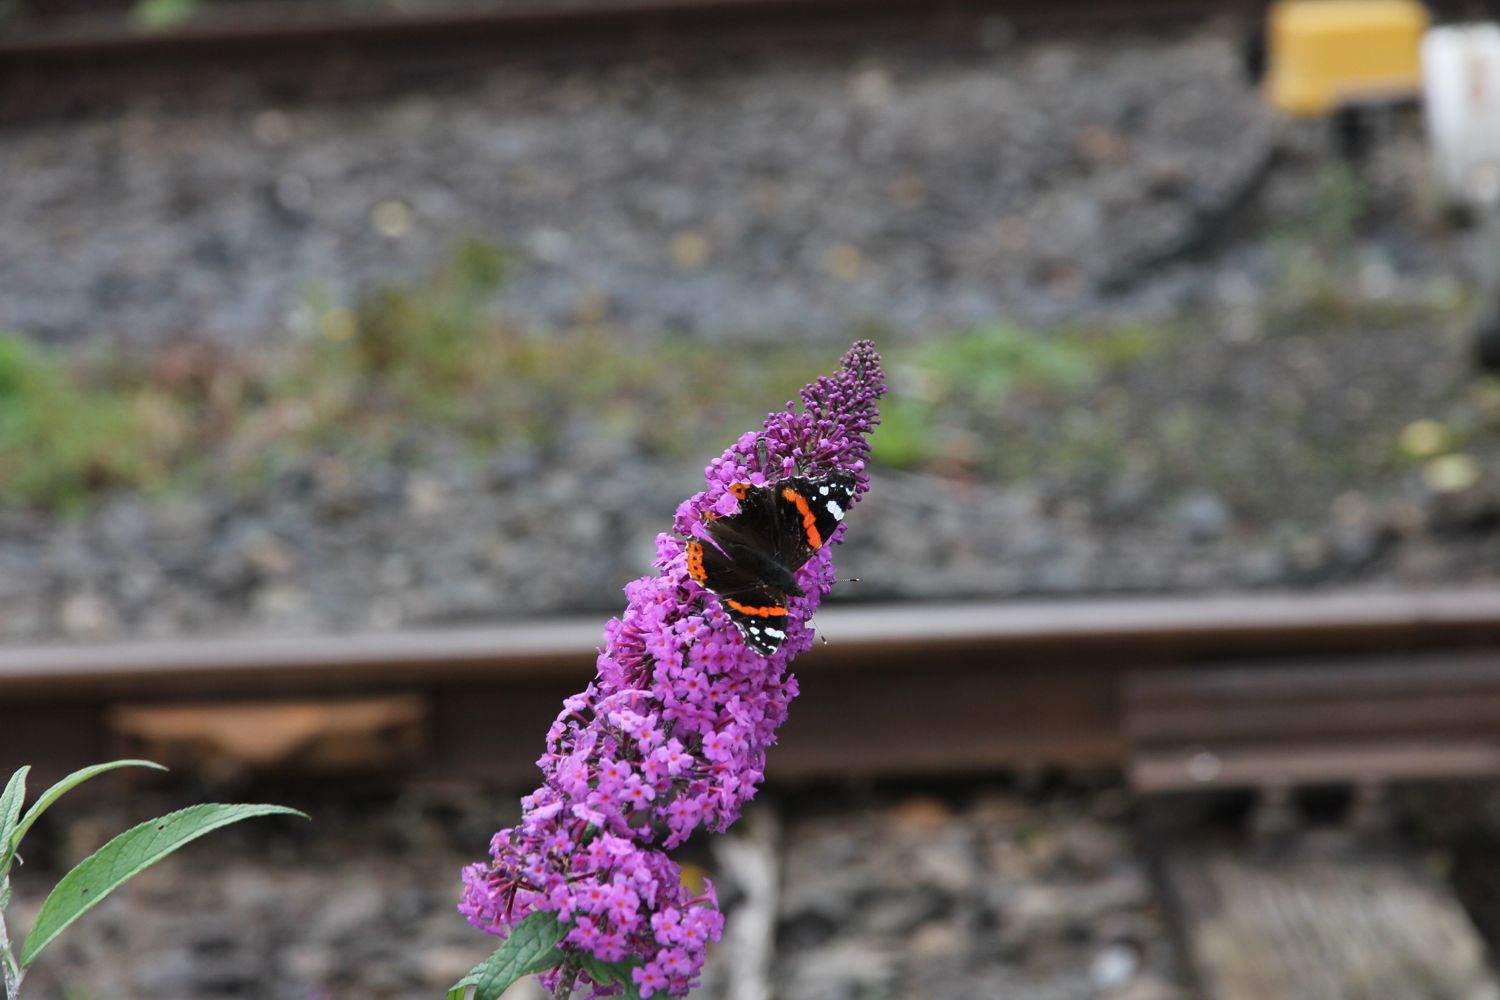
902, 689
295, 52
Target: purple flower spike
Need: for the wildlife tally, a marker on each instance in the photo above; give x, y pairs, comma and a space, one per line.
673, 732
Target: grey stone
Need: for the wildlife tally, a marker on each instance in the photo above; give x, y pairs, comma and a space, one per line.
1113, 967
86, 614
1201, 516
842, 970
899, 914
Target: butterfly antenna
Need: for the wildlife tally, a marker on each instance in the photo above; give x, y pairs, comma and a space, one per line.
817, 631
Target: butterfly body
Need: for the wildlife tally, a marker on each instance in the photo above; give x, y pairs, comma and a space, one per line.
750, 558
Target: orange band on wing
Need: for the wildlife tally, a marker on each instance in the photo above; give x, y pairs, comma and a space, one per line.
809, 523
746, 609
695, 562
739, 490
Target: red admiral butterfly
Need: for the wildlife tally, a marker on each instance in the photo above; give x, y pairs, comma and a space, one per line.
751, 555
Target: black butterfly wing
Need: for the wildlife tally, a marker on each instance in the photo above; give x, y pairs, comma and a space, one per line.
739, 563
761, 618
751, 555
757, 609
755, 529
811, 508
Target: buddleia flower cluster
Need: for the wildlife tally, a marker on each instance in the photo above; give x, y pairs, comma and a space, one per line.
672, 734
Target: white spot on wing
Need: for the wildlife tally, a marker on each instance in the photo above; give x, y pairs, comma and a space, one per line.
823, 490
835, 510
776, 632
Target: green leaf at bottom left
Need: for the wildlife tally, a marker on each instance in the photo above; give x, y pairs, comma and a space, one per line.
127, 855
531, 948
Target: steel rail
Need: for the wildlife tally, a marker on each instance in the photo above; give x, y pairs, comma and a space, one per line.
46, 71
898, 689
1167, 628
523, 22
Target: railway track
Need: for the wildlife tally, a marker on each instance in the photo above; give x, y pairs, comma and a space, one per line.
1221, 692
1268, 692
289, 51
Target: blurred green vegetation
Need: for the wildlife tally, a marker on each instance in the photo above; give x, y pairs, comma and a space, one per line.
404, 365
436, 358
161, 15
953, 398
61, 438
437, 354
434, 364
1317, 280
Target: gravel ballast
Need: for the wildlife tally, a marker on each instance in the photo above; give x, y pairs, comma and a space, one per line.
911, 193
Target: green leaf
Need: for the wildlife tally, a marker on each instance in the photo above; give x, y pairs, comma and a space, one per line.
531, 948
605, 973
66, 785
10, 809
125, 856
159, 15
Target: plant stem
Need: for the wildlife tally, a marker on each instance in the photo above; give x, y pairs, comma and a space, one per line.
10, 972
565, 982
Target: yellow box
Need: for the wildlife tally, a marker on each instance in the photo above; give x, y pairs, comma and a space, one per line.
1327, 54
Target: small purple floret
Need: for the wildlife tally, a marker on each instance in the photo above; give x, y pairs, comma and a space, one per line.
673, 732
